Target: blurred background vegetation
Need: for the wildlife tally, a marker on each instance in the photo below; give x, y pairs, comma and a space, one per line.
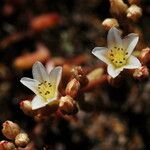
74, 28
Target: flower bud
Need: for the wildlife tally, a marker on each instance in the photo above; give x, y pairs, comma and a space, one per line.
22, 140
109, 23
145, 56
134, 2
134, 12
118, 7
96, 78
26, 107
10, 129
67, 105
141, 73
5, 145
79, 74
72, 88
96, 74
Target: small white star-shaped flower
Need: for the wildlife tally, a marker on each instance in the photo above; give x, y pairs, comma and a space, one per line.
118, 55
44, 85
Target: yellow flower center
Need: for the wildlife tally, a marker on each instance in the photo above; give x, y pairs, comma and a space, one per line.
46, 90
118, 56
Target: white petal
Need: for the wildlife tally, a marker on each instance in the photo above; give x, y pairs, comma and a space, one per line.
101, 53
114, 38
30, 83
39, 72
37, 102
133, 63
129, 42
112, 71
55, 76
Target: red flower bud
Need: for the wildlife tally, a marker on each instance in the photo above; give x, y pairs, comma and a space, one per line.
10, 129
67, 105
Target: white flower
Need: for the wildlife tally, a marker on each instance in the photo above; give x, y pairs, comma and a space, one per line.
118, 54
44, 85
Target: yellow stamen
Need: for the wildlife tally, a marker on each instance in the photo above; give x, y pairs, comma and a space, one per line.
46, 90
118, 56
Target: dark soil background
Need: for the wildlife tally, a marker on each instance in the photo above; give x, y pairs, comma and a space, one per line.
121, 124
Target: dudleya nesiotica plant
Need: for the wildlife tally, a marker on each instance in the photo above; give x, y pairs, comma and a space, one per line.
118, 55
43, 84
